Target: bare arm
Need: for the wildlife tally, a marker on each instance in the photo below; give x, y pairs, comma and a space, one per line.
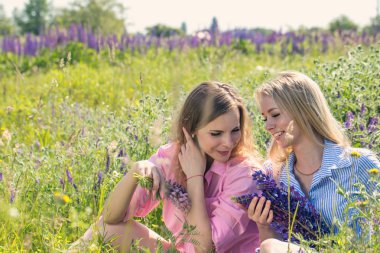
193, 164
119, 200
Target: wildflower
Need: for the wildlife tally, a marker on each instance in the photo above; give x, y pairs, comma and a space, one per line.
13, 212
62, 198
355, 154
362, 109
174, 192
372, 124
100, 177
66, 199
373, 171
178, 195
7, 136
62, 182
112, 147
13, 195
68, 174
361, 203
1, 176
9, 109
349, 118
307, 220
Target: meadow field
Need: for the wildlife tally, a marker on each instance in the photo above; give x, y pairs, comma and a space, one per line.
74, 118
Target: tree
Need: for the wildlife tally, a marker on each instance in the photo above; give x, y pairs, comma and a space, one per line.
160, 30
342, 23
34, 17
184, 27
374, 26
214, 28
104, 16
5, 23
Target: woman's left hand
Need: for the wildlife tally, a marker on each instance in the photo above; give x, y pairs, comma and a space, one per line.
191, 158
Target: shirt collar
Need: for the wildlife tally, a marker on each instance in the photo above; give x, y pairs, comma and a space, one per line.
216, 168
335, 156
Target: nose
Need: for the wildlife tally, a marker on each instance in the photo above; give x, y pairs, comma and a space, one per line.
228, 141
269, 125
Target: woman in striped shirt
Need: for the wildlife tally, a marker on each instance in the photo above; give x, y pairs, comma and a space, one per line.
319, 156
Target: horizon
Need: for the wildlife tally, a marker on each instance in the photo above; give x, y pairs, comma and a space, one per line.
197, 15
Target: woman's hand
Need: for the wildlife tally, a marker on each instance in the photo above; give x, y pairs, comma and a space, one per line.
192, 160
259, 211
146, 168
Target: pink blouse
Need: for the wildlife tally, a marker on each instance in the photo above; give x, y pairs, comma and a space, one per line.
232, 230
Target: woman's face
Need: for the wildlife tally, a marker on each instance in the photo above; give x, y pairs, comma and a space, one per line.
279, 123
219, 137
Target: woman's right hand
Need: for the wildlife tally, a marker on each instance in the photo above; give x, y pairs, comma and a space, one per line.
259, 211
146, 168
191, 158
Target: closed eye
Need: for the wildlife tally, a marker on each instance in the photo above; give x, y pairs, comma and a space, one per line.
236, 129
215, 133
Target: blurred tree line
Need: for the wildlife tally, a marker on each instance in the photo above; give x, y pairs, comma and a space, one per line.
109, 16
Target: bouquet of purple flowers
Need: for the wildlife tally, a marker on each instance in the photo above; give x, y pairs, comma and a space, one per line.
173, 191
293, 207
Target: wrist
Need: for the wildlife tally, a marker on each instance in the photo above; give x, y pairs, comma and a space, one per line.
194, 176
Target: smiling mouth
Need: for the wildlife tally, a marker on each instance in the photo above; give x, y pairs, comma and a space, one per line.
224, 153
278, 135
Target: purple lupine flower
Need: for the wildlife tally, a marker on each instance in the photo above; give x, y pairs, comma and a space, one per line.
62, 182
361, 127
108, 161
178, 195
100, 177
13, 195
174, 192
349, 118
372, 124
69, 177
1, 176
362, 109
308, 222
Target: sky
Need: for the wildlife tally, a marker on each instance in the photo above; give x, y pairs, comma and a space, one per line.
197, 14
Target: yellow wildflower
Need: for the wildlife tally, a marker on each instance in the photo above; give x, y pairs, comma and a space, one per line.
355, 154
361, 203
66, 199
62, 198
373, 171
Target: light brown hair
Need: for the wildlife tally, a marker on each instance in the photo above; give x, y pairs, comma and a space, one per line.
205, 103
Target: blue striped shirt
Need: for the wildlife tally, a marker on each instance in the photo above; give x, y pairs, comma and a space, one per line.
339, 169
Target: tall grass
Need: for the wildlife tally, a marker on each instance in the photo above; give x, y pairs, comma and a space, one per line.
70, 131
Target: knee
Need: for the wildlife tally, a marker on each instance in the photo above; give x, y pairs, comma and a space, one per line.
268, 245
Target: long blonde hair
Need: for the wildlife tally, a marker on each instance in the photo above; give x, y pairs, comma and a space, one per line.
206, 102
302, 99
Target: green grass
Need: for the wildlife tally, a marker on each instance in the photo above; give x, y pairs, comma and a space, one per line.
79, 116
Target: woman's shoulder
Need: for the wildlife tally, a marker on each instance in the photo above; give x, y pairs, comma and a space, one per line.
169, 149
365, 158
241, 162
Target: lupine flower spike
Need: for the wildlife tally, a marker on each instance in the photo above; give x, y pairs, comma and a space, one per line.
307, 220
173, 192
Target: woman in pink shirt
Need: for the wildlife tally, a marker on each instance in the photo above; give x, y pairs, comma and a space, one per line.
212, 156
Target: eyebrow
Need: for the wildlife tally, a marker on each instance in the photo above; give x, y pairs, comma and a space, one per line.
271, 109
221, 131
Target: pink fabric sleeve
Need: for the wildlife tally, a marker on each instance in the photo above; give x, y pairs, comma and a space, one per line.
142, 203
229, 221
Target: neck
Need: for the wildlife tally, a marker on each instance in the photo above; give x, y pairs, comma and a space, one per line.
308, 156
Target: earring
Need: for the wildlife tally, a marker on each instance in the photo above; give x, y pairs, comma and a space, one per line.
192, 136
